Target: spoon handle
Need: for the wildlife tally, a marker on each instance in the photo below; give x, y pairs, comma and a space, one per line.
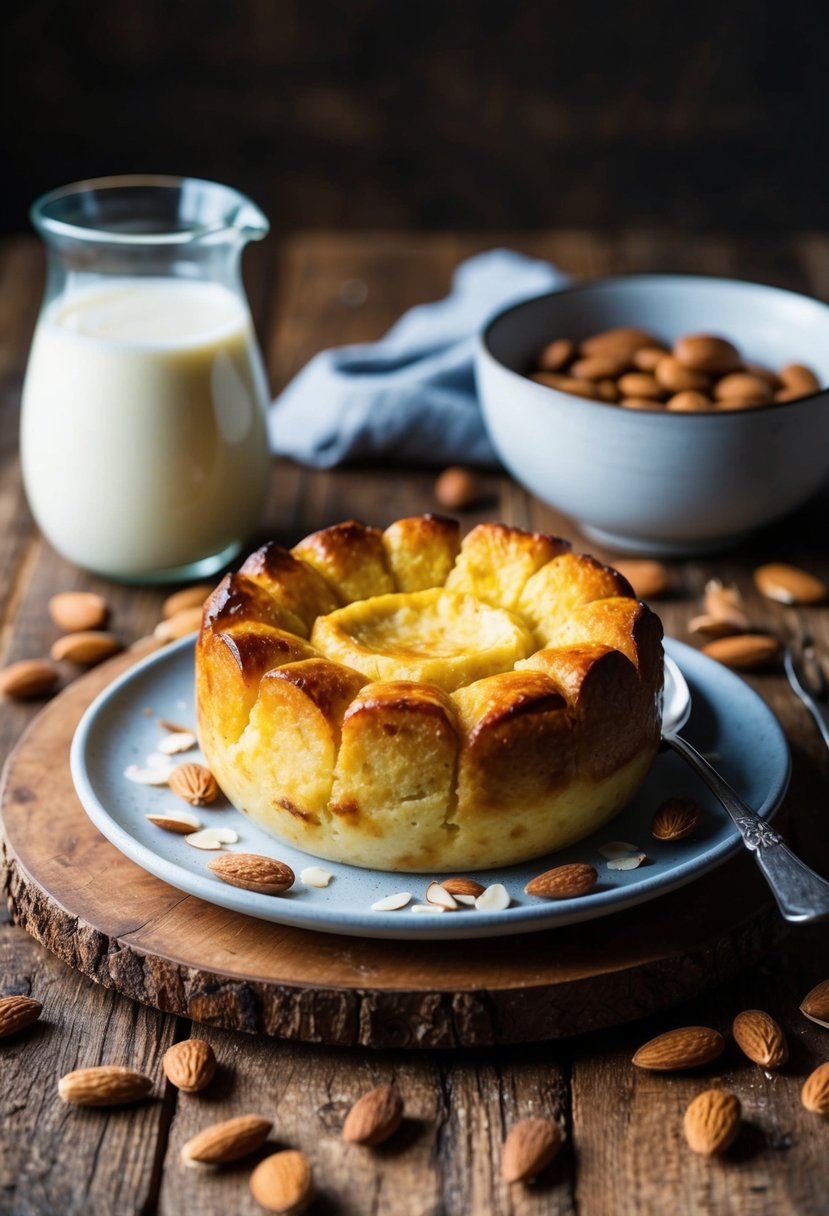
801, 894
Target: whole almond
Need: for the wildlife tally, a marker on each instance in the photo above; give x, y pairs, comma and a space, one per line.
188, 620
104, 1085
190, 597
789, 584
689, 401
675, 378
457, 488
706, 353
639, 384
283, 1182
647, 357
194, 783
568, 384
463, 886
648, 579
724, 602
73, 611
686, 1047
530, 1146
640, 403
600, 367
712, 1121
86, 648
815, 1004
227, 1141
675, 819
760, 1038
17, 1012
190, 1065
28, 678
742, 386
253, 872
715, 626
624, 340
815, 1092
744, 651
183, 823
798, 379
374, 1117
563, 882
556, 355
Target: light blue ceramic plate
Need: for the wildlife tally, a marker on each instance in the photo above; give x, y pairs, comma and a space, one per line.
117, 730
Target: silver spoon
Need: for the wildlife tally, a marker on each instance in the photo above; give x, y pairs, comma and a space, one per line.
801, 894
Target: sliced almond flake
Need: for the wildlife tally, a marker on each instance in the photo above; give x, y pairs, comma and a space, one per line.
146, 776
157, 760
315, 876
426, 908
493, 899
175, 821
212, 838
391, 903
467, 900
627, 863
179, 741
618, 848
440, 897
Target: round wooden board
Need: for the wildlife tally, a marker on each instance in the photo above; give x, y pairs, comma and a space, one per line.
99, 912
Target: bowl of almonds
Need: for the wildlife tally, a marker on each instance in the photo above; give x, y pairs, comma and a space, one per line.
667, 414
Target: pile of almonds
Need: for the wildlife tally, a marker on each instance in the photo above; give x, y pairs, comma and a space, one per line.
636, 369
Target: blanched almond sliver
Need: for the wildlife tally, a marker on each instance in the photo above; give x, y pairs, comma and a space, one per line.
618, 848
440, 897
315, 876
426, 908
179, 741
157, 761
493, 899
212, 838
627, 863
391, 903
146, 776
175, 821
467, 900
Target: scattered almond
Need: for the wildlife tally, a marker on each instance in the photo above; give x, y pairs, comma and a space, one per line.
175, 821
178, 741
617, 848
172, 728
493, 899
253, 872
648, 579
392, 903
85, 648
437, 894
675, 819
427, 909
28, 678
463, 886
724, 602
283, 1182
146, 776
103, 1085
712, 1121
212, 838
174, 627
227, 1141
563, 882
530, 1146
686, 1047
17, 1012
457, 488
630, 861
315, 876
190, 597
815, 1004
374, 1117
190, 1065
760, 1038
788, 584
715, 626
745, 651
74, 611
194, 783
815, 1092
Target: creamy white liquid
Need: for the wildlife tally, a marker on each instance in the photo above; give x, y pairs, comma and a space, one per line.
143, 435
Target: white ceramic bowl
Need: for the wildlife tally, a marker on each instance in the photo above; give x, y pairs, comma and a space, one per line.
649, 481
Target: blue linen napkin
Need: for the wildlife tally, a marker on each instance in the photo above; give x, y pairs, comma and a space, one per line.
411, 396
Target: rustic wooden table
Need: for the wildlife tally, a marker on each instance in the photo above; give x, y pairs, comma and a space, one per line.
624, 1151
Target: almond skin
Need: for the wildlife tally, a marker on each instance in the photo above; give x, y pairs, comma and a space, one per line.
686, 1047
789, 584
227, 1141
563, 882
283, 1182
648, 579
194, 783
73, 611
457, 488
190, 597
815, 1004
556, 355
104, 1085
86, 648
374, 1117
28, 678
712, 1121
17, 1012
253, 872
530, 1146
675, 819
190, 1065
815, 1092
707, 353
744, 651
463, 886
760, 1038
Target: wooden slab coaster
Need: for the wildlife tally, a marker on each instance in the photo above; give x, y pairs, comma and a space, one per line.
103, 915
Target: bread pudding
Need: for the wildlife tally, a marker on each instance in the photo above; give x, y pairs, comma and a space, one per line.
401, 700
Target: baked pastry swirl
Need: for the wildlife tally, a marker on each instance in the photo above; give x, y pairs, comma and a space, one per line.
398, 700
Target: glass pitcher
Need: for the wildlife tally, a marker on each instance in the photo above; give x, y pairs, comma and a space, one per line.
143, 438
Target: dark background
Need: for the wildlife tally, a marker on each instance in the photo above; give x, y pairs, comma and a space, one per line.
431, 113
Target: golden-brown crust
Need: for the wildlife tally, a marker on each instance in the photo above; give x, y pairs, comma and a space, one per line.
551, 595
495, 562
351, 558
292, 583
421, 550
238, 598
